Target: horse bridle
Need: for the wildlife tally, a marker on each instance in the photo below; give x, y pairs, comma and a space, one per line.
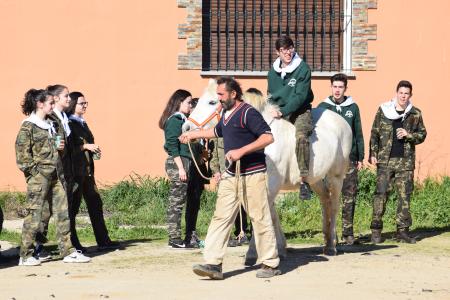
215, 114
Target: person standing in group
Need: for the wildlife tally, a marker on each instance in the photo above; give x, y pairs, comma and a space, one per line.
84, 151
37, 146
196, 186
245, 135
178, 163
397, 129
349, 110
289, 87
60, 94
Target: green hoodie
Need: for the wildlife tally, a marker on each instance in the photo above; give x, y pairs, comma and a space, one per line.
291, 93
349, 110
172, 130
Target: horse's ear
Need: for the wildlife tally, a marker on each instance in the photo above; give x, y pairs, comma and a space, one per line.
212, 84
211, 81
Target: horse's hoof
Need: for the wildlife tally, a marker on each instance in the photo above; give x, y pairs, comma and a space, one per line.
330, 251
250, 261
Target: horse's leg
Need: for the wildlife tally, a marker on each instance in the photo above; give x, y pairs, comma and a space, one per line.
321, 188
335, 187
274, 184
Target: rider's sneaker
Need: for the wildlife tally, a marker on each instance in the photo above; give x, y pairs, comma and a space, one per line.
76, 257
305, 191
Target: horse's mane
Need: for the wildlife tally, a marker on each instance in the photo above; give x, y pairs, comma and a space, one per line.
260, 103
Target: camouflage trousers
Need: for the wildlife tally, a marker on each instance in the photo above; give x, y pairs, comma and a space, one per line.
43, 192
177, 196
349, 191
303, 129
403, 180
41, 235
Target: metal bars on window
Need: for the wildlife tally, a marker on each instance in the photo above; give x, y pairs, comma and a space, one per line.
239, 35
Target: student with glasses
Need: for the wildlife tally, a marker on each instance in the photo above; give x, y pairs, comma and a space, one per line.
84, 152
289, 87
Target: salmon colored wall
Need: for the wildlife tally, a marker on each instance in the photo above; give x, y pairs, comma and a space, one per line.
124, 59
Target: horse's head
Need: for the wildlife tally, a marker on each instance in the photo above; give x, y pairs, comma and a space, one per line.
207, 112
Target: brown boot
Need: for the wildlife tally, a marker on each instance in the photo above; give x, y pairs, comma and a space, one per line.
376, 236
403, 236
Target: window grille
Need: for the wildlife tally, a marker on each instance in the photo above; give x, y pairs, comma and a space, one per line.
240, 35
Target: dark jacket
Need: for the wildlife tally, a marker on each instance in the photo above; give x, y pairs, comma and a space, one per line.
83, 164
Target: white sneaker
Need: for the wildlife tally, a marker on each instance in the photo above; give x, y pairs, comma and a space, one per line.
76, 257
29, 261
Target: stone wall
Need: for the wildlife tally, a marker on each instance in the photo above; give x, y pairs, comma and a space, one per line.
362, 33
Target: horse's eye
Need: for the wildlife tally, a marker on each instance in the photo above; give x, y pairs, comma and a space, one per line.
212, 102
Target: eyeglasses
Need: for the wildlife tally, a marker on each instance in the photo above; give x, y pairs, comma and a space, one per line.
83, 103
282, 50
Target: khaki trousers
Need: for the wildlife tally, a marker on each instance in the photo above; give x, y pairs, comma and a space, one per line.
227, 207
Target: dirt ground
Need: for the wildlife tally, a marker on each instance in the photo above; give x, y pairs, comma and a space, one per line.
149, 270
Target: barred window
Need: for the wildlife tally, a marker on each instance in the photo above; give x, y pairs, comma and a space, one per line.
240, 35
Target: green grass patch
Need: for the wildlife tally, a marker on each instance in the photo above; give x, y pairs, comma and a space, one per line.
136, 210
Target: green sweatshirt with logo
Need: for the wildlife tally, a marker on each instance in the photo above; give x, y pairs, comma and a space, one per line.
292, 94
349, 110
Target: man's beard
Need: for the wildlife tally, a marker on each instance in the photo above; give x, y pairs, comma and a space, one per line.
228, 104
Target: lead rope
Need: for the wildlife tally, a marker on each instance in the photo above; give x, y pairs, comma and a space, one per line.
237, 175
243, 201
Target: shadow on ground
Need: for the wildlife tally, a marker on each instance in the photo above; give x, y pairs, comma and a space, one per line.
10, 257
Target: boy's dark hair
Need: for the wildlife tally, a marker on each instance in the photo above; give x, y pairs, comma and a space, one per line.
284, 42
231, 85
73, 102
405, 84
254, 91
339, 77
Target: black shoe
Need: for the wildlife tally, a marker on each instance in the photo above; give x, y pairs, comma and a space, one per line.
403, 236
177, 244
41, 254
305, 191
111, 245
192, 241
211, 271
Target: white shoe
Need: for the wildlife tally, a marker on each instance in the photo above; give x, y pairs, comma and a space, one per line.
29, 261
76, 257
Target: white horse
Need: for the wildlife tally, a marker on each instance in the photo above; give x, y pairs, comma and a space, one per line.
330, 145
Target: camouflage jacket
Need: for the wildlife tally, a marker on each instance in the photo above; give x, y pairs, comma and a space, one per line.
382, 134
36, 152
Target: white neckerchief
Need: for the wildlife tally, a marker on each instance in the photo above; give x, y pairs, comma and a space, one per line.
347, 102
77, 119
296, 61
183, 117
64, 120
391, 113
44, 124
